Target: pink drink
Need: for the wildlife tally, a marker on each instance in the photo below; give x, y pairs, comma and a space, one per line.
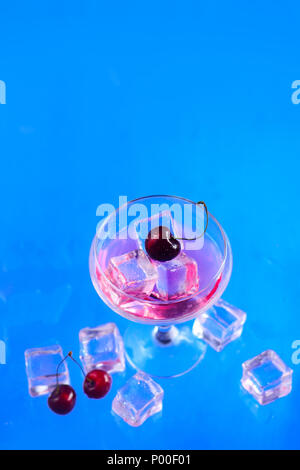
151, 308
158, 283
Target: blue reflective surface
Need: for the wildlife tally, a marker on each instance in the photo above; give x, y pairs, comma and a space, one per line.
132, 99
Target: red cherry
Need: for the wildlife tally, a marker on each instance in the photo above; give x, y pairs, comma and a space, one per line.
161, 245
97, 383
62, 399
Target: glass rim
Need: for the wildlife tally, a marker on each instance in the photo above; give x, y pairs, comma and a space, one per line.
157, 301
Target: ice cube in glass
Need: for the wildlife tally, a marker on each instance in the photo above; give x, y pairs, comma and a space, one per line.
266, 377
133, 273
220, 324
102, 348
41, 366
138, 399
177, 278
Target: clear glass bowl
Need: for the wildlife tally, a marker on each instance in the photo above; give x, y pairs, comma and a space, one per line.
165, 350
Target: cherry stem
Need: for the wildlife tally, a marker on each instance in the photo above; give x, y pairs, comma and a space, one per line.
70, 355
61, 362
206, 213
76, 362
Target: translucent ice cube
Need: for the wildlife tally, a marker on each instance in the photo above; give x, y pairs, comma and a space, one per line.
133, 273
267, 377
41, 365
177, 278
138, 399
102, 348
220, 324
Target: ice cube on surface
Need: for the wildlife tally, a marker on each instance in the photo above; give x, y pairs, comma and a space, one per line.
102, 348
177, 278
220, 324
41, 365
133, 273
138, 399
266, 377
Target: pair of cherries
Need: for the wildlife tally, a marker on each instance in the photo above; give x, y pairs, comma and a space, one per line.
97, 384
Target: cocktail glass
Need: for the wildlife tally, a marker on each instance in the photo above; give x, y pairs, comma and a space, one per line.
159, 340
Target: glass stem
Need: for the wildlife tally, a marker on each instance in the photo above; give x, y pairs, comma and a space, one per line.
165, 335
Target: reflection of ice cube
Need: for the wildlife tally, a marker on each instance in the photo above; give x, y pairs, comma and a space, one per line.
41, 365
138, 399
133, 273
267, 377
177, 278
220, 324
102, 348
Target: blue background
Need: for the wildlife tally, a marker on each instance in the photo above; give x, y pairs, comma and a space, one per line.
137, 98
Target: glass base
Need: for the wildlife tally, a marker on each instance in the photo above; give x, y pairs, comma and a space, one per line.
163, 352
